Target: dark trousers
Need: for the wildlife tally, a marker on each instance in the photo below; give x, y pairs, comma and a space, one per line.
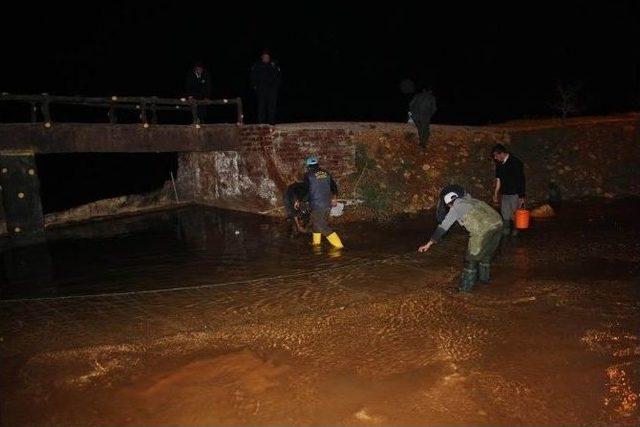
267, 102
424, 130
202, 113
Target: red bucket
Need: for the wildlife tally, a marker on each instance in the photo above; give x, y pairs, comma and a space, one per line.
522, 219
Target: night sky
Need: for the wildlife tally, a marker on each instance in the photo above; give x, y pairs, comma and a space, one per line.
486, 63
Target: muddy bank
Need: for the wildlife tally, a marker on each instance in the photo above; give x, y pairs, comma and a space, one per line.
371, 335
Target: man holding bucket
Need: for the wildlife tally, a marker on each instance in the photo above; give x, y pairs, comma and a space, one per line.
510, 184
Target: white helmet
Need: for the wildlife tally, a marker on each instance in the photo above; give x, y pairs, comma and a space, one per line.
450, 197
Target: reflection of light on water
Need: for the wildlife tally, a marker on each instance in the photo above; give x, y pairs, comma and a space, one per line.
335, 253
330, 252
621, 394
521, 259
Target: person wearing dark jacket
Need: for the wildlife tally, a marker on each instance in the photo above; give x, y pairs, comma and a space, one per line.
322, 191
296, 206
265, 79
509, 186
422, 107
198, 86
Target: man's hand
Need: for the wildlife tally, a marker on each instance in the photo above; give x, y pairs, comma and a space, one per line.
496, 199
521, 203
296, 205
426, 247
334, 202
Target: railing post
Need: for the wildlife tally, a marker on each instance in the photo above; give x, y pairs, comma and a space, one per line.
34, 112
154, 113
113, 117
44, 107
194, 112
239, 110
143, 113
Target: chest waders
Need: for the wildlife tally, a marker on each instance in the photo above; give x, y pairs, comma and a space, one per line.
320, 201
485, 230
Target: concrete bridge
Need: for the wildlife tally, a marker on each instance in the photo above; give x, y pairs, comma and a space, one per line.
20, 142
116, 138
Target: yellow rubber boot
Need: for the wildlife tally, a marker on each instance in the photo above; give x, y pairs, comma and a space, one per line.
335, 240
317, 239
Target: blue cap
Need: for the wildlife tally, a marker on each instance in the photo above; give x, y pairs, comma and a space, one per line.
311, 160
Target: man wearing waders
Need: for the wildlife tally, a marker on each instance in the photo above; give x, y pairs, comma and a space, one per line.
422, 107
485, 230
509, 187
322, 191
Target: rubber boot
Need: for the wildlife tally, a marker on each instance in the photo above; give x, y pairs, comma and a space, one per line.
469, 276
506, 228
317, 239
335, 240
484, 272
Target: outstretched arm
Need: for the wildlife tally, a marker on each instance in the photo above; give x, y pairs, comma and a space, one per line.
452, 216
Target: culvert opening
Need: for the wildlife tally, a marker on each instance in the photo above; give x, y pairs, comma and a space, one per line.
71, 180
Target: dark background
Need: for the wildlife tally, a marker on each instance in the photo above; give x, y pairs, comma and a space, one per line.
486, 63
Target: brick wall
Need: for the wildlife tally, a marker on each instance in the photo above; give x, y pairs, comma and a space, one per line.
254, 175
584, 157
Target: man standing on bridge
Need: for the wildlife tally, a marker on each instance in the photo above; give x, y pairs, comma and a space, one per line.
322, 191
198, 86
510, 185
265, 79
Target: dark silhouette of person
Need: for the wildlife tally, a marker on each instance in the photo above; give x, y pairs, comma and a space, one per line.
296, 206
198, 86
422, 108
265, 79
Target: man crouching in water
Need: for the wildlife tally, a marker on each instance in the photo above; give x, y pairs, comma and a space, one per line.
296, 205
322, 191
482, 222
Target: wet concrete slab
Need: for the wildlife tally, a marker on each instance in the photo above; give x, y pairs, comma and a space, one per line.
158, 325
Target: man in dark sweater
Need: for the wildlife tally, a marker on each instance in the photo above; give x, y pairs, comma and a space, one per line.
509, 186
198, 86
265, 79
422, 107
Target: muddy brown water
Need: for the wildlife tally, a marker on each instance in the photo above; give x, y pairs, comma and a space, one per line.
202, 317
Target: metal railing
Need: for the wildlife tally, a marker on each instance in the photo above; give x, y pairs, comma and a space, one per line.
148, 107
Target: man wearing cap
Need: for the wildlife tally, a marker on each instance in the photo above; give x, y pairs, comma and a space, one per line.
484, 226
322, 192
509, 187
